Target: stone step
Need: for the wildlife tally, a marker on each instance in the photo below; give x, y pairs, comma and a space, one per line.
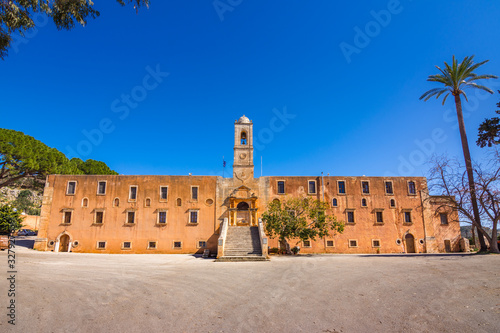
241, 258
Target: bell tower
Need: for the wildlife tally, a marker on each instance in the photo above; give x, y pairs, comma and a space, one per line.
243, 149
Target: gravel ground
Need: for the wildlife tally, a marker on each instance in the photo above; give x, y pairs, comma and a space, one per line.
69, 292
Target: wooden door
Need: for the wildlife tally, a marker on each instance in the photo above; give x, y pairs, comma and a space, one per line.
410, 243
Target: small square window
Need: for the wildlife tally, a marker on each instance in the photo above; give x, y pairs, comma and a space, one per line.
330, 243
71, 188
281, 187
131, 217
151, 245
67, 217
444, 218
132, 193
350, 216
407, 217
101, 245
307, 243
163, 193
312, 187
353, 243
101, 187
194, 192
375, 243
177, 245
341, 185
193, 216
162, 217
411, 188
380, 217
99, 217
127, 245
366, 187
202, 244
388, 188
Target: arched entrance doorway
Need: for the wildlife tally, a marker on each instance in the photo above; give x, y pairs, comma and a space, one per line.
410, 243
64, 243
243, 214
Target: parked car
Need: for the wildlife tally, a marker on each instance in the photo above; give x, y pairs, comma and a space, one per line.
26, 232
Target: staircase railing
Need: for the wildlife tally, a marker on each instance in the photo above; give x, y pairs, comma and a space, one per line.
263, 239
222, 238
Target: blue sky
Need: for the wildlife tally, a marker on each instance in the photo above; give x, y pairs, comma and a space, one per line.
314, 109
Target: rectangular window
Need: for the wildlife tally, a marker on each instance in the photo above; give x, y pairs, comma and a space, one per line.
71, 188
101, 187
411, 188
162, 217
380, 217
375, 243
202, 244
307, 243
127, 245
194, 192
444, 218
350, 216
366, 187
130, 217
330, 243
281, 187
133, 193
193, 216
151, 245
163, 192
177, 245
388, 188
101, 245
353, 243
312, 187
99, 217
67, 218
341, 184
408, 217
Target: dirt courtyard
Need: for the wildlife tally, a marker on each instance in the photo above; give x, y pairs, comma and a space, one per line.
69, 292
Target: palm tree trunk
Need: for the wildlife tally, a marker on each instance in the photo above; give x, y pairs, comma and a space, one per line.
470, 173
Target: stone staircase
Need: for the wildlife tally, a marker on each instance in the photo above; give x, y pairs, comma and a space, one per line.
242, 244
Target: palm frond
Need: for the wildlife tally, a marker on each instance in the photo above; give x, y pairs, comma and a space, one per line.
478, 86
433, 92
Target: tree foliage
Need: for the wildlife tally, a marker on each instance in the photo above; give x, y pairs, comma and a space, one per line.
17, 15
22, 157
10, 220
489, 131
299, 218
456, 78
448, 177
25, 203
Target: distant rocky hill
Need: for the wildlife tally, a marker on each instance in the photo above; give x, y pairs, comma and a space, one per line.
467, 231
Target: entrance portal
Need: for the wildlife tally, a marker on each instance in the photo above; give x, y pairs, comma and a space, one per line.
410, 243
64, 243
243, 214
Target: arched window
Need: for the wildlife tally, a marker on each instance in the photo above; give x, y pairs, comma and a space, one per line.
334, 202
179, 202
393, 203
363, 202
85, 202
148, 202
117, 202
243, 138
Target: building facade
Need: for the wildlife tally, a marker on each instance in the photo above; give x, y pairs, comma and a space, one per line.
185, 214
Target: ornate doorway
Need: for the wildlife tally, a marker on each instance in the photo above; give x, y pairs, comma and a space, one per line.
243, 214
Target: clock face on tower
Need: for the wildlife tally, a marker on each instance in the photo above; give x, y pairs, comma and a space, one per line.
243, 156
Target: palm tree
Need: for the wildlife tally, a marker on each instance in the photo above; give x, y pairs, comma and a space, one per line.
455, 79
